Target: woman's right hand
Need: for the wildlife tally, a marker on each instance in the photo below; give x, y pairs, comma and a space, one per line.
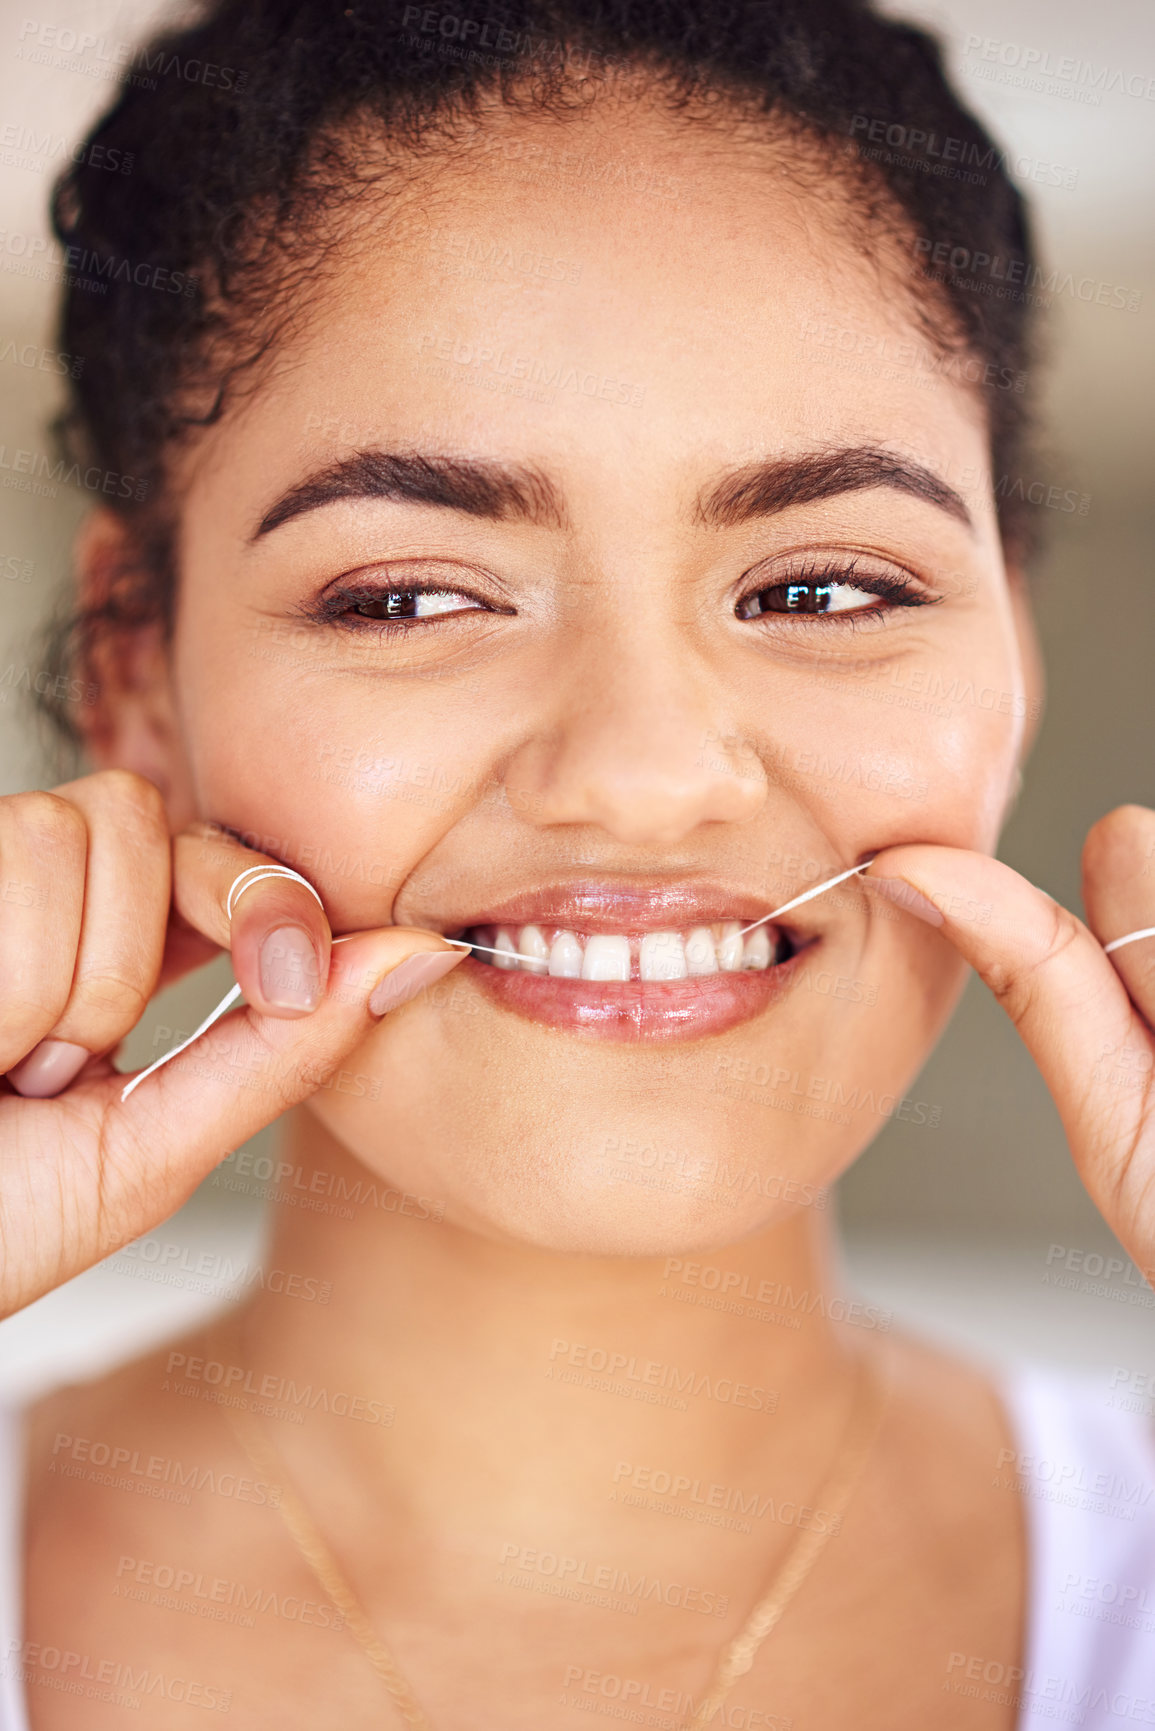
100, 907
1084, 1007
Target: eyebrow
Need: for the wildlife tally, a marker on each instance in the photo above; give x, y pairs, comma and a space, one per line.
504, 492
761, 489
500, 492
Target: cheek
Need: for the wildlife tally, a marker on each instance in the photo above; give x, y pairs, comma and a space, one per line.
921, 749
351, 784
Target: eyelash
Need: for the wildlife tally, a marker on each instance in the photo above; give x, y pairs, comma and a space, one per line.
337, 607
893, 591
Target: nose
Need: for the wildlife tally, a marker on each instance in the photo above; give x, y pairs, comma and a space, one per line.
639, 744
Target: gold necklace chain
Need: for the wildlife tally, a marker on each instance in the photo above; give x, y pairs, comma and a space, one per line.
868, 1407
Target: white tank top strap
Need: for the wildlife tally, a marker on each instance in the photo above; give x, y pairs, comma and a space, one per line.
13, 1716
1087, 1473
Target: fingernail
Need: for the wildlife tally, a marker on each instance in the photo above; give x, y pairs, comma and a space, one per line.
412, 976
48, 1068
290, 978
906, 896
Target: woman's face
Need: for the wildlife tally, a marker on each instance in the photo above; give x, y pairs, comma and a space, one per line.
493, 614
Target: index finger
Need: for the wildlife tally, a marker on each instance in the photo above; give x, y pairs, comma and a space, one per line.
1049, 974
1119, 892
274, 926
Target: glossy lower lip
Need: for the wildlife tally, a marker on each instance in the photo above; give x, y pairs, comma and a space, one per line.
635, 1011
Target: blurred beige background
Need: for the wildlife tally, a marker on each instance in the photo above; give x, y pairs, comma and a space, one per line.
977, 1228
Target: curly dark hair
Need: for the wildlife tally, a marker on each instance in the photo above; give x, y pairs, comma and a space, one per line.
249, 127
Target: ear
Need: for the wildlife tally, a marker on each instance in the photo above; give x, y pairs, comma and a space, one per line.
134, 723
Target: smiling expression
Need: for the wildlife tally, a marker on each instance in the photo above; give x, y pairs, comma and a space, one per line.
593, 612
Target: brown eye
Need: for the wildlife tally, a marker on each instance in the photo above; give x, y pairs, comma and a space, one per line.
843, 591
792, 598
411, 603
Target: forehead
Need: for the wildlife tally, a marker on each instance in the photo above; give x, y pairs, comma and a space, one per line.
619, 286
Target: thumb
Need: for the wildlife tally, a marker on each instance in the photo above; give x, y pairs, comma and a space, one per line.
1051, 977
249, 1068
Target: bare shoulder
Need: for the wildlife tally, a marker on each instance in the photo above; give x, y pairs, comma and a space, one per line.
931, 1562
941, 1395
130, 1488
106, 1434
947, 1430
105, 1463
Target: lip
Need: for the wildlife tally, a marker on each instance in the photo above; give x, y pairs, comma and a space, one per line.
635, 905
637, 1011
630, 1011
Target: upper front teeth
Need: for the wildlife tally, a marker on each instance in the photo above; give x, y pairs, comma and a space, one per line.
731, 949
610, 955
607, 958
701, 955
565, 957
533, 949
662, 956
506, 956
756, 950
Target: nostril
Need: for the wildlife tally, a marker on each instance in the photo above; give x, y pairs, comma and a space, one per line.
648, 785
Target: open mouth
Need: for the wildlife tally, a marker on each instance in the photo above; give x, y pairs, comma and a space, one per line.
560, 953
676, 983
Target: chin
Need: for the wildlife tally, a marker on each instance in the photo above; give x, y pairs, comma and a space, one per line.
624, 1139
627, 1178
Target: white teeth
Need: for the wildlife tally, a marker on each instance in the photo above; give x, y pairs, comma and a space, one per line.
654, 956
756, 951
507, 950
700, 956
533, 950
565, 958
730, 947
607, 958
662, 956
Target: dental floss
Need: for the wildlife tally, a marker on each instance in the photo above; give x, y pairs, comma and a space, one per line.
1131, 938
806, 896
224, 1004
244, 881
256, 874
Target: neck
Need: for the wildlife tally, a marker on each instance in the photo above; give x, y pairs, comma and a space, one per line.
516, 1388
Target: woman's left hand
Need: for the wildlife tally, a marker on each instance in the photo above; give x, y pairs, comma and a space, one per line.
1087, 1018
